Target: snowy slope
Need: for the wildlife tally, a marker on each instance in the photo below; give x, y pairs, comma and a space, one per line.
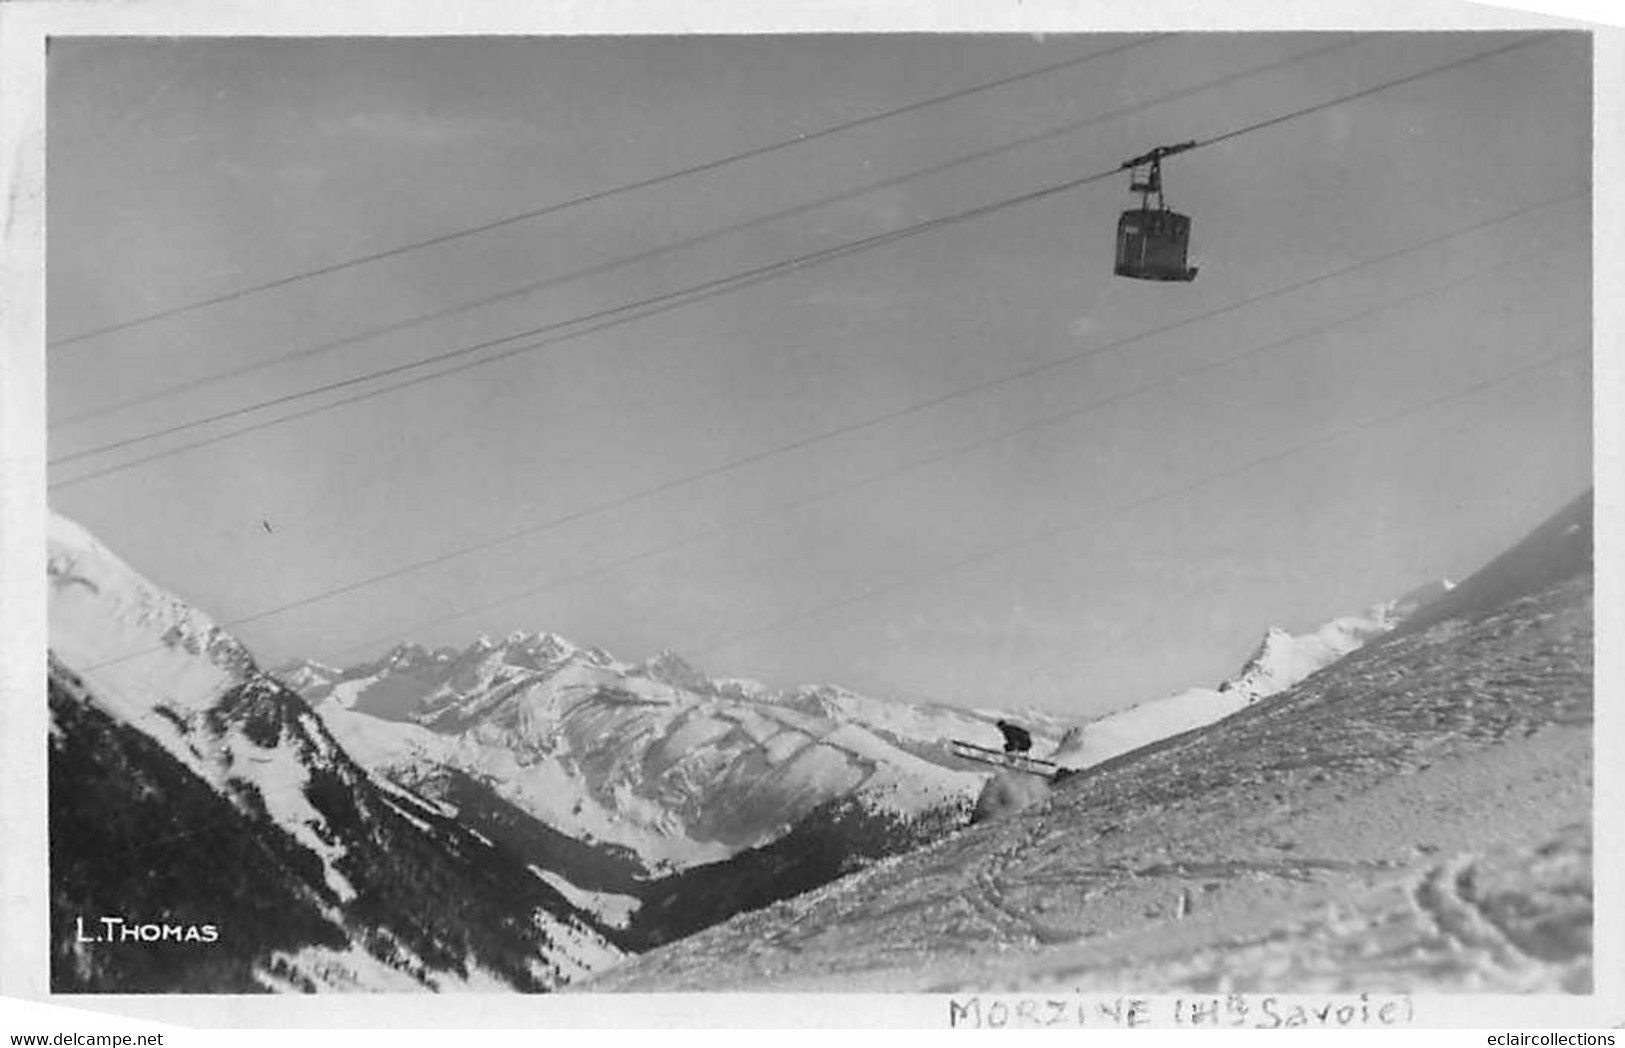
1415, 818
1280, 661
1124, 731
180, 707
143, 650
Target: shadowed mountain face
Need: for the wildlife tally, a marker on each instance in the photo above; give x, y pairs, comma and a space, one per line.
834, 839
372, 888
1415, 817
134, 832
1557, 549
192, 795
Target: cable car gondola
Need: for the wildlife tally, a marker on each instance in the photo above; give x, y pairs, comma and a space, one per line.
1152, 241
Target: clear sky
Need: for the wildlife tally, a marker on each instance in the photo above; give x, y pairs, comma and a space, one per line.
1108, 550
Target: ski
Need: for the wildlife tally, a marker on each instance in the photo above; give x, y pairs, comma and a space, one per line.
1014, 761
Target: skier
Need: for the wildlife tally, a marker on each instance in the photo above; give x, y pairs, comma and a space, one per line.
1016, 738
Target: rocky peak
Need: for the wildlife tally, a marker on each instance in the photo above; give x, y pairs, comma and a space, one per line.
670, 668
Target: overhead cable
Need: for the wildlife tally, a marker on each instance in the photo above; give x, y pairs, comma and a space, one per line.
737, 523
652, 305
867, 423
625, 261
597, 196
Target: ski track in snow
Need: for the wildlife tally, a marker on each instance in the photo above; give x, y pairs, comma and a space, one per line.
1415, 818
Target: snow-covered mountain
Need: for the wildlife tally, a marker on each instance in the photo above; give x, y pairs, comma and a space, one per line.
681, 770
190, 789
1280, 661
685, 799
570, 806
653, 757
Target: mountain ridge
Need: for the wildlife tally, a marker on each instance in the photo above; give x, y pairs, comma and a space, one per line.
505, 711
